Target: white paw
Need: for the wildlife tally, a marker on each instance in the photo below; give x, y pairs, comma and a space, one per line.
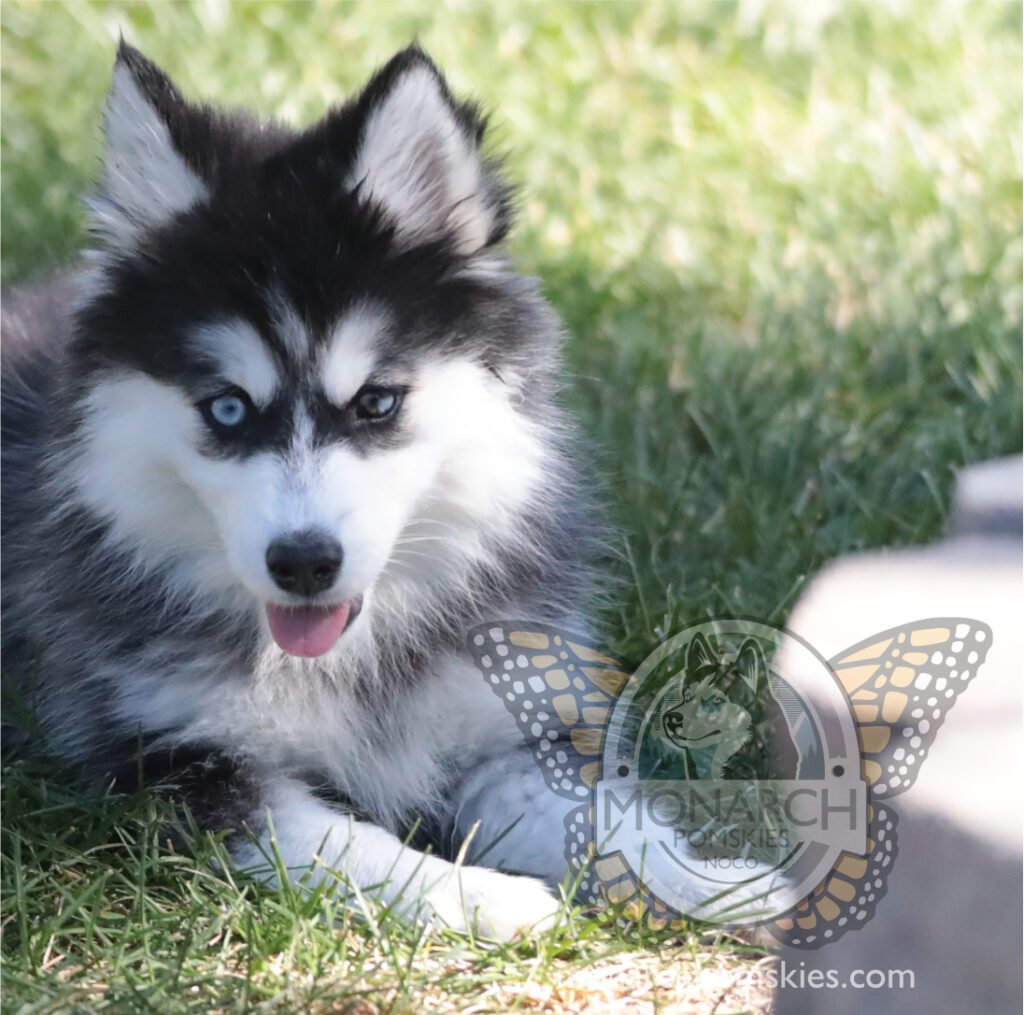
491, 904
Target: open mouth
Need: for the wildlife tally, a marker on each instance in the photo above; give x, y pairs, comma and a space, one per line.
311, 631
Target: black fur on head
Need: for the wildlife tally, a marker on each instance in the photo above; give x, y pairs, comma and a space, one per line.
389, 198
232, 149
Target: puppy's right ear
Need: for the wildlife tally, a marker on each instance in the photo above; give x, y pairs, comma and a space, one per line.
147, 178
420, 161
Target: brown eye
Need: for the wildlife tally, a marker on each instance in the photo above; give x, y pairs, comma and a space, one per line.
376, 404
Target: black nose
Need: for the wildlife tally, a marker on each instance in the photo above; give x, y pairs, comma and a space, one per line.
304, 562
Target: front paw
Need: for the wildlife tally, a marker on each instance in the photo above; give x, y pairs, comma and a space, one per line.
491, 904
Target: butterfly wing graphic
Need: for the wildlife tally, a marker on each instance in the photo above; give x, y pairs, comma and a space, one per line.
901, 685
849, 894
560, 690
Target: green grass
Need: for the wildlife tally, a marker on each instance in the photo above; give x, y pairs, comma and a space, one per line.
787, 244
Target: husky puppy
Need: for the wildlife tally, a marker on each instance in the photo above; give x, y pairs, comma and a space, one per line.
283, 438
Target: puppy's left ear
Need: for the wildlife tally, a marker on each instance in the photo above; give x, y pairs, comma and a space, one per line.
147, 176
419, 159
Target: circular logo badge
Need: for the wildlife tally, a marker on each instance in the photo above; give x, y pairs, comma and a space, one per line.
729, 785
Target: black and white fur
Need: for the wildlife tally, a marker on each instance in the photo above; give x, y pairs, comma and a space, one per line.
297, 267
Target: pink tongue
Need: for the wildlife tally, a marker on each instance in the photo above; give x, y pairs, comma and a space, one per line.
307, 630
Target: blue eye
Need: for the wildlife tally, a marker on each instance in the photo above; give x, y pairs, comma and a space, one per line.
226, 412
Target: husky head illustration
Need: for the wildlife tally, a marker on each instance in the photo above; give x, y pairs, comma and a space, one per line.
725, 705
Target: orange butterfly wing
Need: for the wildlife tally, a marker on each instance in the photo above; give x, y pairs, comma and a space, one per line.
901, 685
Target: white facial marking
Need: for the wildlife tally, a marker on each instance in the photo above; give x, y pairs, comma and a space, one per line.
302, 500
350, 356
135, 430
492, 455
146, 181
289, 326
416, 162
241, 356
211, 517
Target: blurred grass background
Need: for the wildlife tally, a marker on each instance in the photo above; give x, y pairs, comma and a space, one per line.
785, 238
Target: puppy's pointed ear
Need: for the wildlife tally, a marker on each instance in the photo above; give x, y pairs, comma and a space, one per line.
419, 159
146, 178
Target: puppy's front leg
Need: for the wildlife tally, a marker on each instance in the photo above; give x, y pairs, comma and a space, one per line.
517, 823
314, 840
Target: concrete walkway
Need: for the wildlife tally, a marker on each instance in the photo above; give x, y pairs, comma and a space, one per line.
952, 914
